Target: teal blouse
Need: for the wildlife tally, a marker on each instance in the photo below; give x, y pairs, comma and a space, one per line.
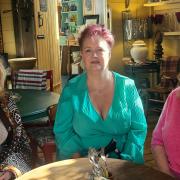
78, 126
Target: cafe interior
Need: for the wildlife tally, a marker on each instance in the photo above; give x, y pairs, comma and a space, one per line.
41, 36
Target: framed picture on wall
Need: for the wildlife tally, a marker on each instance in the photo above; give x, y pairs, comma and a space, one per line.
88, 7
91, 19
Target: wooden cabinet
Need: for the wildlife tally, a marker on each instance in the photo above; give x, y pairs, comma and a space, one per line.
68, 63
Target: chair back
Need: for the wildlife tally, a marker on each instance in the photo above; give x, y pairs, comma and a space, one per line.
169, 68
52, 113
32, 79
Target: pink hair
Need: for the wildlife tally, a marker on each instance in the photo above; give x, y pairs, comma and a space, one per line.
96, 30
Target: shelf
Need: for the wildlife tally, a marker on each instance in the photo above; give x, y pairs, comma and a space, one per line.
161, 3
73, 11
70, 1
70, 22
66, 12
172, 33
153, 4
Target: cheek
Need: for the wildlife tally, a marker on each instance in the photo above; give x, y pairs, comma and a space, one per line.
85, 61
84, 58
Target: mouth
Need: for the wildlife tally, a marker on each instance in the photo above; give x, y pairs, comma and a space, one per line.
95, 62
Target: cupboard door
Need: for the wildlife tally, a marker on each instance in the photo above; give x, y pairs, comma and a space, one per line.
47, 37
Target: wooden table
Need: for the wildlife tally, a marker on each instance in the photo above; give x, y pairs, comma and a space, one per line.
75, 169
33, 104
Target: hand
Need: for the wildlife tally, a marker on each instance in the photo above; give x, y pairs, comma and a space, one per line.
76, 155
6, 175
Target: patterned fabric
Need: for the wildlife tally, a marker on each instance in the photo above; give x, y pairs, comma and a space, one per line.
15, 150
169, 69
17, 160
30, 79
42, 135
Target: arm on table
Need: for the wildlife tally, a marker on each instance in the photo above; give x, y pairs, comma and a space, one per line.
161, 159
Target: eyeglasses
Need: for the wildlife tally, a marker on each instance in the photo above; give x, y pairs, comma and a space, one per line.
98, 52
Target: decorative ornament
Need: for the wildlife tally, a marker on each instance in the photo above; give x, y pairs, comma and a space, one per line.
139, 51
158, 52
99, 165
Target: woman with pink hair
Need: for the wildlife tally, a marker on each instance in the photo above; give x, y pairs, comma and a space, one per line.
100, 108
166, 136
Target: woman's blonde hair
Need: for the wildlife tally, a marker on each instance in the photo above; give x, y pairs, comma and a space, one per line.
2, 78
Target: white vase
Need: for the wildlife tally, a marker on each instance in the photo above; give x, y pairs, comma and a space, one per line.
139, 51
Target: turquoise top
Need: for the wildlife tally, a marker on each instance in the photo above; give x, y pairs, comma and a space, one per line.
79, 126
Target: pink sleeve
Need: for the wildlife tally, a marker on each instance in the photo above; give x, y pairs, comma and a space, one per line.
157, 133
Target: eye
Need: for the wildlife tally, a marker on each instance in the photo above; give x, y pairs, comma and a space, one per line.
87, 51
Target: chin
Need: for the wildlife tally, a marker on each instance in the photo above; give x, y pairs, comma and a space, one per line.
97, 69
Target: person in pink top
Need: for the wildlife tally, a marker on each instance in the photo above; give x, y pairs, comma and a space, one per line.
165, 142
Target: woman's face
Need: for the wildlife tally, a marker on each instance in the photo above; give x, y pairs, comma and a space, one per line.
95, 54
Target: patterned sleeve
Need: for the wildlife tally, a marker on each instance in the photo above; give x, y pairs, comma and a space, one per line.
16, 150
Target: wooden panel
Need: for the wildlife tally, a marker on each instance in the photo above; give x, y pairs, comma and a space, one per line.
46, 27
53, 32
1, 38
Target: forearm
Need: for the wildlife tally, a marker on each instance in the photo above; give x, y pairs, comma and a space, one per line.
12, 170
161, 159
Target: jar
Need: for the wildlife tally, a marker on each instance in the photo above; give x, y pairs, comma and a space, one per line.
139, 51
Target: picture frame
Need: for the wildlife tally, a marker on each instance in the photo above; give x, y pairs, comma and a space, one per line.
91, 19
88, 7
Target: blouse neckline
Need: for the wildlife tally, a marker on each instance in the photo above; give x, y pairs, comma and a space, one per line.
110, 107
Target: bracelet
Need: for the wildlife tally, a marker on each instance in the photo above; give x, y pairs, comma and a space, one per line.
13, 170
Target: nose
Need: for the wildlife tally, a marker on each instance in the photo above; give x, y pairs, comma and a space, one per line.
94, 53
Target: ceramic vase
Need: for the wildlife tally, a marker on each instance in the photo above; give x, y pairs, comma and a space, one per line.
139, 51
